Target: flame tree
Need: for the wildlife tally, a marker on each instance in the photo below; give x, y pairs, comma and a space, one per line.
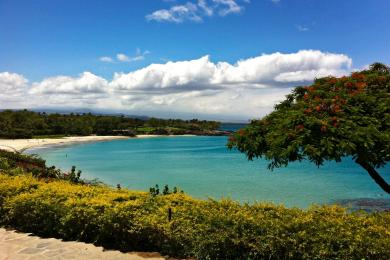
328, 120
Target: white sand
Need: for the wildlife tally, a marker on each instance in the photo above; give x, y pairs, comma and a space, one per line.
23, 144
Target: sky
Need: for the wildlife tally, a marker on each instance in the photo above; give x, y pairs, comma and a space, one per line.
229, 60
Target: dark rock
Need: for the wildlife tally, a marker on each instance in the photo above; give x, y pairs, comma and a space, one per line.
366, 204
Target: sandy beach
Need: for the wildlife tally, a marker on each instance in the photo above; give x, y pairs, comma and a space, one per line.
23, 144
20, 145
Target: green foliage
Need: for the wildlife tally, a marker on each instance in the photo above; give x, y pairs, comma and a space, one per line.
331, 119
15, 159
137, 221
28, 124
18, 164
73, 176
154, 191
4, 165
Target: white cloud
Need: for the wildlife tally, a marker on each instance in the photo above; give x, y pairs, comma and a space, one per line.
13, 89
303, 28
245, 89
106, 59
238, 103
176, 14
266, 70
139, 55
207, 9
195, 11
86, 83
12, 83
122, 57
169, 75
229, 6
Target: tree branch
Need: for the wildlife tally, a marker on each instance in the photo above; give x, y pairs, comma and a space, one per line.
374, 174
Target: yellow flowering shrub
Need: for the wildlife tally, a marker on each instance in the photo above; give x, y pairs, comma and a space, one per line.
204, 229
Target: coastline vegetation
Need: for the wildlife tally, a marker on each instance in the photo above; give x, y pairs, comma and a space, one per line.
16, 124
18, 163
175, 224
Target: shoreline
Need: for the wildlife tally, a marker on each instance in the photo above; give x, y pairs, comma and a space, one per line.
20, 145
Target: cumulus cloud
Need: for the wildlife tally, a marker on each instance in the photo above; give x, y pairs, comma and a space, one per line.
230, 103
177, 75
195, 11
266, 70
85, 83
247, 88
13, 89
12, 83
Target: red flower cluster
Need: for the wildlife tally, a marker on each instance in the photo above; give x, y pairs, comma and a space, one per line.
308, 111
348, 84
361, 85
336, 109
241, 132
299, 127
335, 121
310, 88
358, 76
232, 139
333, 81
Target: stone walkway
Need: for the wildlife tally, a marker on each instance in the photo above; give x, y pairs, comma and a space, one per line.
22, 246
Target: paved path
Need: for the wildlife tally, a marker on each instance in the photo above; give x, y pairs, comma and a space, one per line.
22, 246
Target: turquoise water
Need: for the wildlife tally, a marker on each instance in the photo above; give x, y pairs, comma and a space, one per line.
203, 167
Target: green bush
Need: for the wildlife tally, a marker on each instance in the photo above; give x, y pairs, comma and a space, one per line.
18, 164
17, 158
4, 165
130, 221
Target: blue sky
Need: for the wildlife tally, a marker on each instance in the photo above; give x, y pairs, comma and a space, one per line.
45, 39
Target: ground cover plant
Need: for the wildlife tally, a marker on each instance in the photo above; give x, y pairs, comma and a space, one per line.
178, 225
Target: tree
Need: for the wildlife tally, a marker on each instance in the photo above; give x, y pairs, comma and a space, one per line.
331, 119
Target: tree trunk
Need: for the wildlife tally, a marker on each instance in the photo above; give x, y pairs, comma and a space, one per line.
374, 174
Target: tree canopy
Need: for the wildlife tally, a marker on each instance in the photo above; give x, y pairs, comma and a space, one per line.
26, 124
328, 120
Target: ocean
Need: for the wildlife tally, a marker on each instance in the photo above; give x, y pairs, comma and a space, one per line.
203, 167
